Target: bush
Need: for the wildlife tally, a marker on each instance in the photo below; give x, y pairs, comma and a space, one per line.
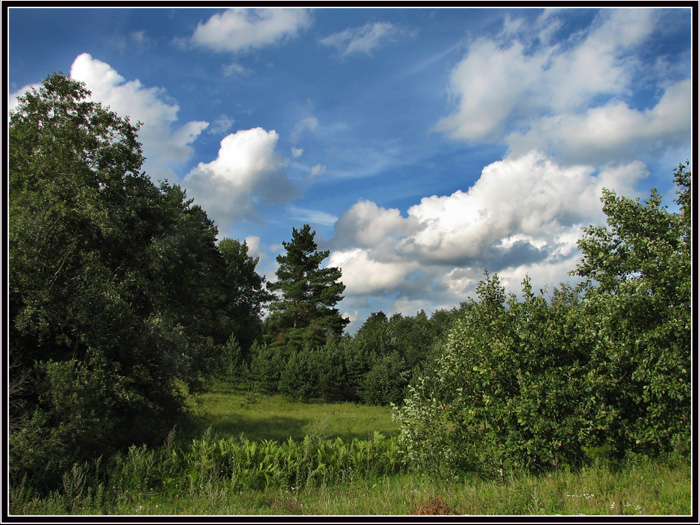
386, 381
299, 378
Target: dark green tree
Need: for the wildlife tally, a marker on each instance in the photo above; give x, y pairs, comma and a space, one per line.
243, 293
305, 315
115, 287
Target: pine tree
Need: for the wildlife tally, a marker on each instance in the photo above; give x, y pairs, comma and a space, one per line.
305, 316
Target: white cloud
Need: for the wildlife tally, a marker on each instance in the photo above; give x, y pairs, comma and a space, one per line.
246, 173
363, 39
529, 195
613, 130
524, 215
567, 99
306, 124
235, 68
364, 275
367, 225
318, 169
491, 83
239, 30
297, 152
254, 248
164, 143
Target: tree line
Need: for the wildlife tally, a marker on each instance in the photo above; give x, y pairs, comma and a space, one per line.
122, 301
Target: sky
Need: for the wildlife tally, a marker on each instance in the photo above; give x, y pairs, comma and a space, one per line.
423, 145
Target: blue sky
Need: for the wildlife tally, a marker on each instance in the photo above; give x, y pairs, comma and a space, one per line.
423, 145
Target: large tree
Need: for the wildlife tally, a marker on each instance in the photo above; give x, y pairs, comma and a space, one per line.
305, 314
115, 286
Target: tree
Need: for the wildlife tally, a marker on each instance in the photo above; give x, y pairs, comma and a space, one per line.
305, 315
638, 302
243, 293
114, 287
606, 365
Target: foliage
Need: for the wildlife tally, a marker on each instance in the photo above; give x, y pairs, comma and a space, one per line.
386, 381
535, 385
118, 293
244, 293
639, 314
266, 366
299, 378
305, 316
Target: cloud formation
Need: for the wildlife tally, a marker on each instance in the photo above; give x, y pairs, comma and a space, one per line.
363, 39
524, 215
241, 30
247, 173
571, 99
165, 141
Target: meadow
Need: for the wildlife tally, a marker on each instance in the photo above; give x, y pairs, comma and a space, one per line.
265, 455
232, 410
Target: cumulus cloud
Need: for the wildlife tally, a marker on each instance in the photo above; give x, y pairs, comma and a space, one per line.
524, 215
297, 152
240, 30
364, 275
568, 99
613, 130
363, 39
165, 142
254, 248
247, 172
367, 225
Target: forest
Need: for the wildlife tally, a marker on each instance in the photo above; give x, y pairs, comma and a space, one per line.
123, 301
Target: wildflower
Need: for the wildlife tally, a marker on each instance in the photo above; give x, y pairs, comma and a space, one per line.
612, 505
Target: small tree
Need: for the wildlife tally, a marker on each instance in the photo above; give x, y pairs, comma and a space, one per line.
305, 316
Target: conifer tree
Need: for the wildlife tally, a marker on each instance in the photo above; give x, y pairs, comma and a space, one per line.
305, 315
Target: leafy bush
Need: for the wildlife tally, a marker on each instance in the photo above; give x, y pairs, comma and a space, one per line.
537, 385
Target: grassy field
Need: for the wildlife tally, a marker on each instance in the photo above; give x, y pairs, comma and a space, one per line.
230, 410
641, 488
651, 489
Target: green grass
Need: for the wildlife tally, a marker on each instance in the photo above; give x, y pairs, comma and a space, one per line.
654, 489
639, 488
230, 410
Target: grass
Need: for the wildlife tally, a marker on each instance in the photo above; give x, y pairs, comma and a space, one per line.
654, 489
230, 410
639, 488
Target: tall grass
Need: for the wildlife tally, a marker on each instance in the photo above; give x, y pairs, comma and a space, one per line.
652, 489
